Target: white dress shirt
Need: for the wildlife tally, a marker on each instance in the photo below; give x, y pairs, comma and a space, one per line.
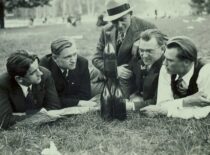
175, 107
25, 89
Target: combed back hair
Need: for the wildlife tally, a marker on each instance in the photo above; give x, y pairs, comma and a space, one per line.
185, 47
149, 33
19, 62
58, 45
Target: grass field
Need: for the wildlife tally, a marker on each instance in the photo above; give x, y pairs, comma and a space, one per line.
88, 133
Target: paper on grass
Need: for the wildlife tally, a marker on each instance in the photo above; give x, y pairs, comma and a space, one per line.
52, 150
72, 111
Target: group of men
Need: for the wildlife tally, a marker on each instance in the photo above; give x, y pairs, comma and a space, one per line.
157, 74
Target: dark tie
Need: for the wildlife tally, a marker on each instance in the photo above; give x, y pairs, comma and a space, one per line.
65, 73
120, 37
30, 106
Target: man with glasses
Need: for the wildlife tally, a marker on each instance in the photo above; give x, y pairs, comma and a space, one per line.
183, 87
25, 88
70, 73
124, 30
146, 67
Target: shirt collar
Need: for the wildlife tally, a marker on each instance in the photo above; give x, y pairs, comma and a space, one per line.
188, 76
24, 89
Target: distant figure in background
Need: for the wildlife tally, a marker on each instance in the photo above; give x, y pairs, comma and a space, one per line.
31, 21
44, 21
25, 88
70, 73
74, 20
100, 21
156, 13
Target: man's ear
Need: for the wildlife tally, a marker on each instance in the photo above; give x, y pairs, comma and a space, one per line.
19, 79
187, 63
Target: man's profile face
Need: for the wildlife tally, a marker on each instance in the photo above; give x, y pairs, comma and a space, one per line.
172, 63
67, 59
123, 23
33, 75
150, 51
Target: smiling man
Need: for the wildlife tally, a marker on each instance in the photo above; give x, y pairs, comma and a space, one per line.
25, 88
124, 29
183, 87
146, 67
70, 73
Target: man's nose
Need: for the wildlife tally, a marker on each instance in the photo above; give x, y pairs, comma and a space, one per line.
40, 73
120, 25
165, 62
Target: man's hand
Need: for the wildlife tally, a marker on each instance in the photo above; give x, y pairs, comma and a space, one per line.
197, 99
123, 72
84, 103
153, 110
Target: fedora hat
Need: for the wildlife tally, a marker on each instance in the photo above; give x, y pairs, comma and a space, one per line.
116, 9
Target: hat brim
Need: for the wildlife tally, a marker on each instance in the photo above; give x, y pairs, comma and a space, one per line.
114, 17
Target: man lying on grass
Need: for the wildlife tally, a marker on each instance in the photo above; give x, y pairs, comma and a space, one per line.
70, 73
146, 67
25, 88
184, 82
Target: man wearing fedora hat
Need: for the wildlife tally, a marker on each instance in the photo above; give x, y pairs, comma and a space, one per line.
124, 31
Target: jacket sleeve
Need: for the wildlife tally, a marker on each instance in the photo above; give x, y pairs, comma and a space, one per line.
6, 117
84, 91
98, 56
51, 97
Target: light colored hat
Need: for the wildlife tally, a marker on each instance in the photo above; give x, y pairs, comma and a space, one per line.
116, 9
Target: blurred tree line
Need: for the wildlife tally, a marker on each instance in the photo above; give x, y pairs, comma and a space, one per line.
200, 6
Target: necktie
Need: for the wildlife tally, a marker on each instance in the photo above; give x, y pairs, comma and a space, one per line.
120, 37
181, 87
30, 106
65, 73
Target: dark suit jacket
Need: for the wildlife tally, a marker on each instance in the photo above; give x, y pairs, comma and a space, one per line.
147, 81
77, 87
124, 54
12, 98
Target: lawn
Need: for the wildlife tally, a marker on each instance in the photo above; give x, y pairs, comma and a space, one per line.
88, 133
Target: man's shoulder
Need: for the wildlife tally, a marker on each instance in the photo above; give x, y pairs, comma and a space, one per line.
5, 79
45, 61
82, 60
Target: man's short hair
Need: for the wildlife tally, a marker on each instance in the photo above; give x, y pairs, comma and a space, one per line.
185, 47
19, 62
60, 44
160, 37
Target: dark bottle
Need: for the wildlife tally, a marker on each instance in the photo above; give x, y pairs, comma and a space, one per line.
106, 104
119, 108
110, 60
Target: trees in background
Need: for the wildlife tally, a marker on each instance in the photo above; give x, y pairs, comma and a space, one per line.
200, 6
12, 4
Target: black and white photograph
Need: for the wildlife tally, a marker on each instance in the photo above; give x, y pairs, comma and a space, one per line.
104, 77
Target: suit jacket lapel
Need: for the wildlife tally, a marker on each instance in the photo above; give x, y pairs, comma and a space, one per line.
18, 98
131, 35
